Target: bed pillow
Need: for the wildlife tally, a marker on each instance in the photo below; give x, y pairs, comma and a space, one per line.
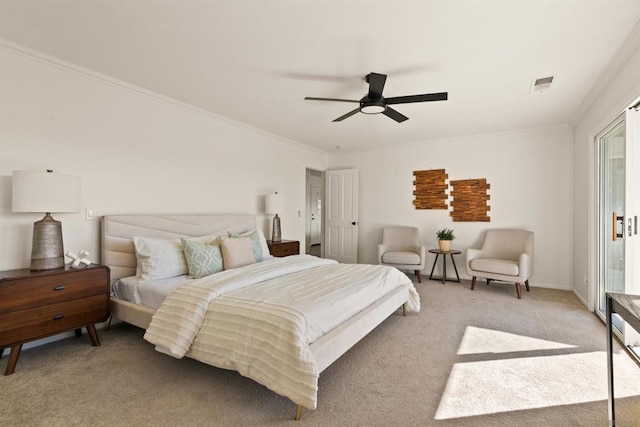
237, 252
259, 243
203, 257
159, 258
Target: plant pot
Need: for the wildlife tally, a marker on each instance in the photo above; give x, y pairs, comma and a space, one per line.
445, 245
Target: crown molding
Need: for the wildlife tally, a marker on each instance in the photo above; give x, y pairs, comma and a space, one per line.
96, 76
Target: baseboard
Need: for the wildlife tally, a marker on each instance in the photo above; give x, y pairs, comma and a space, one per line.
585, 303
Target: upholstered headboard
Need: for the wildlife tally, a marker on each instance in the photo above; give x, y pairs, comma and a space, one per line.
118, 231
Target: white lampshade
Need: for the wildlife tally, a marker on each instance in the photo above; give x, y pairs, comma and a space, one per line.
45, 192
273, 203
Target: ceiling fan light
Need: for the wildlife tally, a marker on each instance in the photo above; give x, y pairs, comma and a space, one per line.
373, 108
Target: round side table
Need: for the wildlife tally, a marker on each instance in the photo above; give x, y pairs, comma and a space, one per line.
444, 254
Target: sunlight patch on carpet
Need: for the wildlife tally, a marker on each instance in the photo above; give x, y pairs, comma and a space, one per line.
479, 340
486, 387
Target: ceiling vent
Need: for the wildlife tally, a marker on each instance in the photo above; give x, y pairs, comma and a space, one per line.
541, 85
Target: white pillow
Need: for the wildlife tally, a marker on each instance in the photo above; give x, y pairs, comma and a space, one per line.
237, 252
159, 258
260, 247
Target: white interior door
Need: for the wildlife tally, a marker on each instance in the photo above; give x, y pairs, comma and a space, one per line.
341, 215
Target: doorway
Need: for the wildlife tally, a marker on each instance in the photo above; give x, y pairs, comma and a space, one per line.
314, 212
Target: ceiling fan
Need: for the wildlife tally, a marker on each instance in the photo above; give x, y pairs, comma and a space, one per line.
374, 103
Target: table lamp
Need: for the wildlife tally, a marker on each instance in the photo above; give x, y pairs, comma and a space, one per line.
274, 203
46, 192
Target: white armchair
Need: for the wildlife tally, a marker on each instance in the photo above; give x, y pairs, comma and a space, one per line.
506, 255
401, 248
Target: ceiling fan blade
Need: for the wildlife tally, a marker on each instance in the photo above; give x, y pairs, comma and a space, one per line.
311, 98
391, 113
349, 114
376, 85
441, 96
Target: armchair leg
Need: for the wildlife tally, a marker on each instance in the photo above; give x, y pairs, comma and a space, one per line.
418, 276
473, 282
519, 290
489, 281
526, 284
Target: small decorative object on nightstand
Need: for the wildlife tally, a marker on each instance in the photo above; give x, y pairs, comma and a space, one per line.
80, 258
284, 247
37, 304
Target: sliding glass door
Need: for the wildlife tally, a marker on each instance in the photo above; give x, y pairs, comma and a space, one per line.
618, 187
611, 186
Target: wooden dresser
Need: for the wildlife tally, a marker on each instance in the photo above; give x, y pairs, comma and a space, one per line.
37, 304
284, 248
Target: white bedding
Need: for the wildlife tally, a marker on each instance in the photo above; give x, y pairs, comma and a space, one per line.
260, 319
149, 294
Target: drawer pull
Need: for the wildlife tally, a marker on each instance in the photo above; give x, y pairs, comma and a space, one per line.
59, 288
58, 317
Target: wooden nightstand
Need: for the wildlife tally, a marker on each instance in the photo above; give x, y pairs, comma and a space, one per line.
37, 304
284, 248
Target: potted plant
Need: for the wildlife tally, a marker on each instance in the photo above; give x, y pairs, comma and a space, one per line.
445, 236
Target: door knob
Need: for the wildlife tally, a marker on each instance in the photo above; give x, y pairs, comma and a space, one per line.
353, 223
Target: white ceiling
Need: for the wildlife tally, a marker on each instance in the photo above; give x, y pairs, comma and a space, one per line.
255, 61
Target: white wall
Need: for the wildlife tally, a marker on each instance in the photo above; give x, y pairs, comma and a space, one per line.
619, 90
530, 174
135, 153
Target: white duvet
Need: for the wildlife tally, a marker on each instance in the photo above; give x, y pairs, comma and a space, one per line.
260, 319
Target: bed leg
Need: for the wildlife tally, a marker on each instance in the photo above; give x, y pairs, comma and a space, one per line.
108, 323
299, 413
404, 309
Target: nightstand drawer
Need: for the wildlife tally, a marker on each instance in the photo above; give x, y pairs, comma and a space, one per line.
284, 248
33, 323
51, 289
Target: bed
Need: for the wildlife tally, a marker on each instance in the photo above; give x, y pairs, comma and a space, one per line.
295, 315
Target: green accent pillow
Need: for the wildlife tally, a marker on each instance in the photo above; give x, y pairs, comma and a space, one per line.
203, 258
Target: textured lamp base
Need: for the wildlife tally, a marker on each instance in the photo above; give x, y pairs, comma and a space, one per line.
47, 251
275, 233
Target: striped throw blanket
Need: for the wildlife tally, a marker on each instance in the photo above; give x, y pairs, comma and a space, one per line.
260, 319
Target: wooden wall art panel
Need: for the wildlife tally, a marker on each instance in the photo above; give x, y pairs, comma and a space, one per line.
430, 192
469, 200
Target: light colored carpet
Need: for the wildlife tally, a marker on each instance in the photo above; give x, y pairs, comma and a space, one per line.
481, 358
